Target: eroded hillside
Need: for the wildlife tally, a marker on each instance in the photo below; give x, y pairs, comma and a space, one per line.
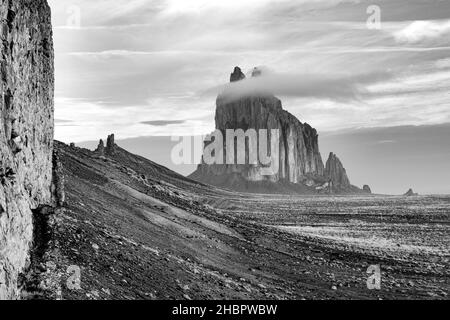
136, 230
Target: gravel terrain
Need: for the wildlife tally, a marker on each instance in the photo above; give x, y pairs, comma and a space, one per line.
136, 230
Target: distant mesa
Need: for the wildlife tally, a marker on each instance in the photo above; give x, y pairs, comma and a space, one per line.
410, 193
300, 166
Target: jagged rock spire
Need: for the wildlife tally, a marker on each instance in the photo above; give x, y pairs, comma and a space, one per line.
335, 172
237, 75
101, 147
110, 145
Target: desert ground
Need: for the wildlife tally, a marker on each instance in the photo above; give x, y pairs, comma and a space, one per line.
136, 230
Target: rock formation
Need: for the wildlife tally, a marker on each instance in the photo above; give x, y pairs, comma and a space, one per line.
336, 174
410, 193
26, 131
367, 189
110, 148
110, 145
300, 162
100, 148
237, 75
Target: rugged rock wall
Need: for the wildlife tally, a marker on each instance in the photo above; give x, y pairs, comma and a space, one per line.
300, 167
299, 156
26, 130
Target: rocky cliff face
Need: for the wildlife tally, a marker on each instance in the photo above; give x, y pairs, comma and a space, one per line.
299, 156
300, 166
26, 130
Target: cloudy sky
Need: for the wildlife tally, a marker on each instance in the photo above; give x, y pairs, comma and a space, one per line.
146, 68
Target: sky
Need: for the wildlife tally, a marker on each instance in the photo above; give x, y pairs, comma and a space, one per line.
146, 68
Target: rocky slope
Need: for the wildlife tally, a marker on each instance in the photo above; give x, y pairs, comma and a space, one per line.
300, 166
26, 131
132, 229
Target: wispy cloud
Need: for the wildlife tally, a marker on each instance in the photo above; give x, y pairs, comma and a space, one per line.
162, 123
419, 31
337, 87
156, 59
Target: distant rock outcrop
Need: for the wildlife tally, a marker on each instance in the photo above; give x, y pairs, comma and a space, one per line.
300, 162
110, 148
410, 193
26, 135
100, 148
237, 75
367, 189
110, 145
336, 174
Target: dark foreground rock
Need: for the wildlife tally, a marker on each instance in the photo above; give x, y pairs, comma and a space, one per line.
26, 135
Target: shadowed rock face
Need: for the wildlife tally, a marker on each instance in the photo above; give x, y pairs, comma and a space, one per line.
26, 130
335, 172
